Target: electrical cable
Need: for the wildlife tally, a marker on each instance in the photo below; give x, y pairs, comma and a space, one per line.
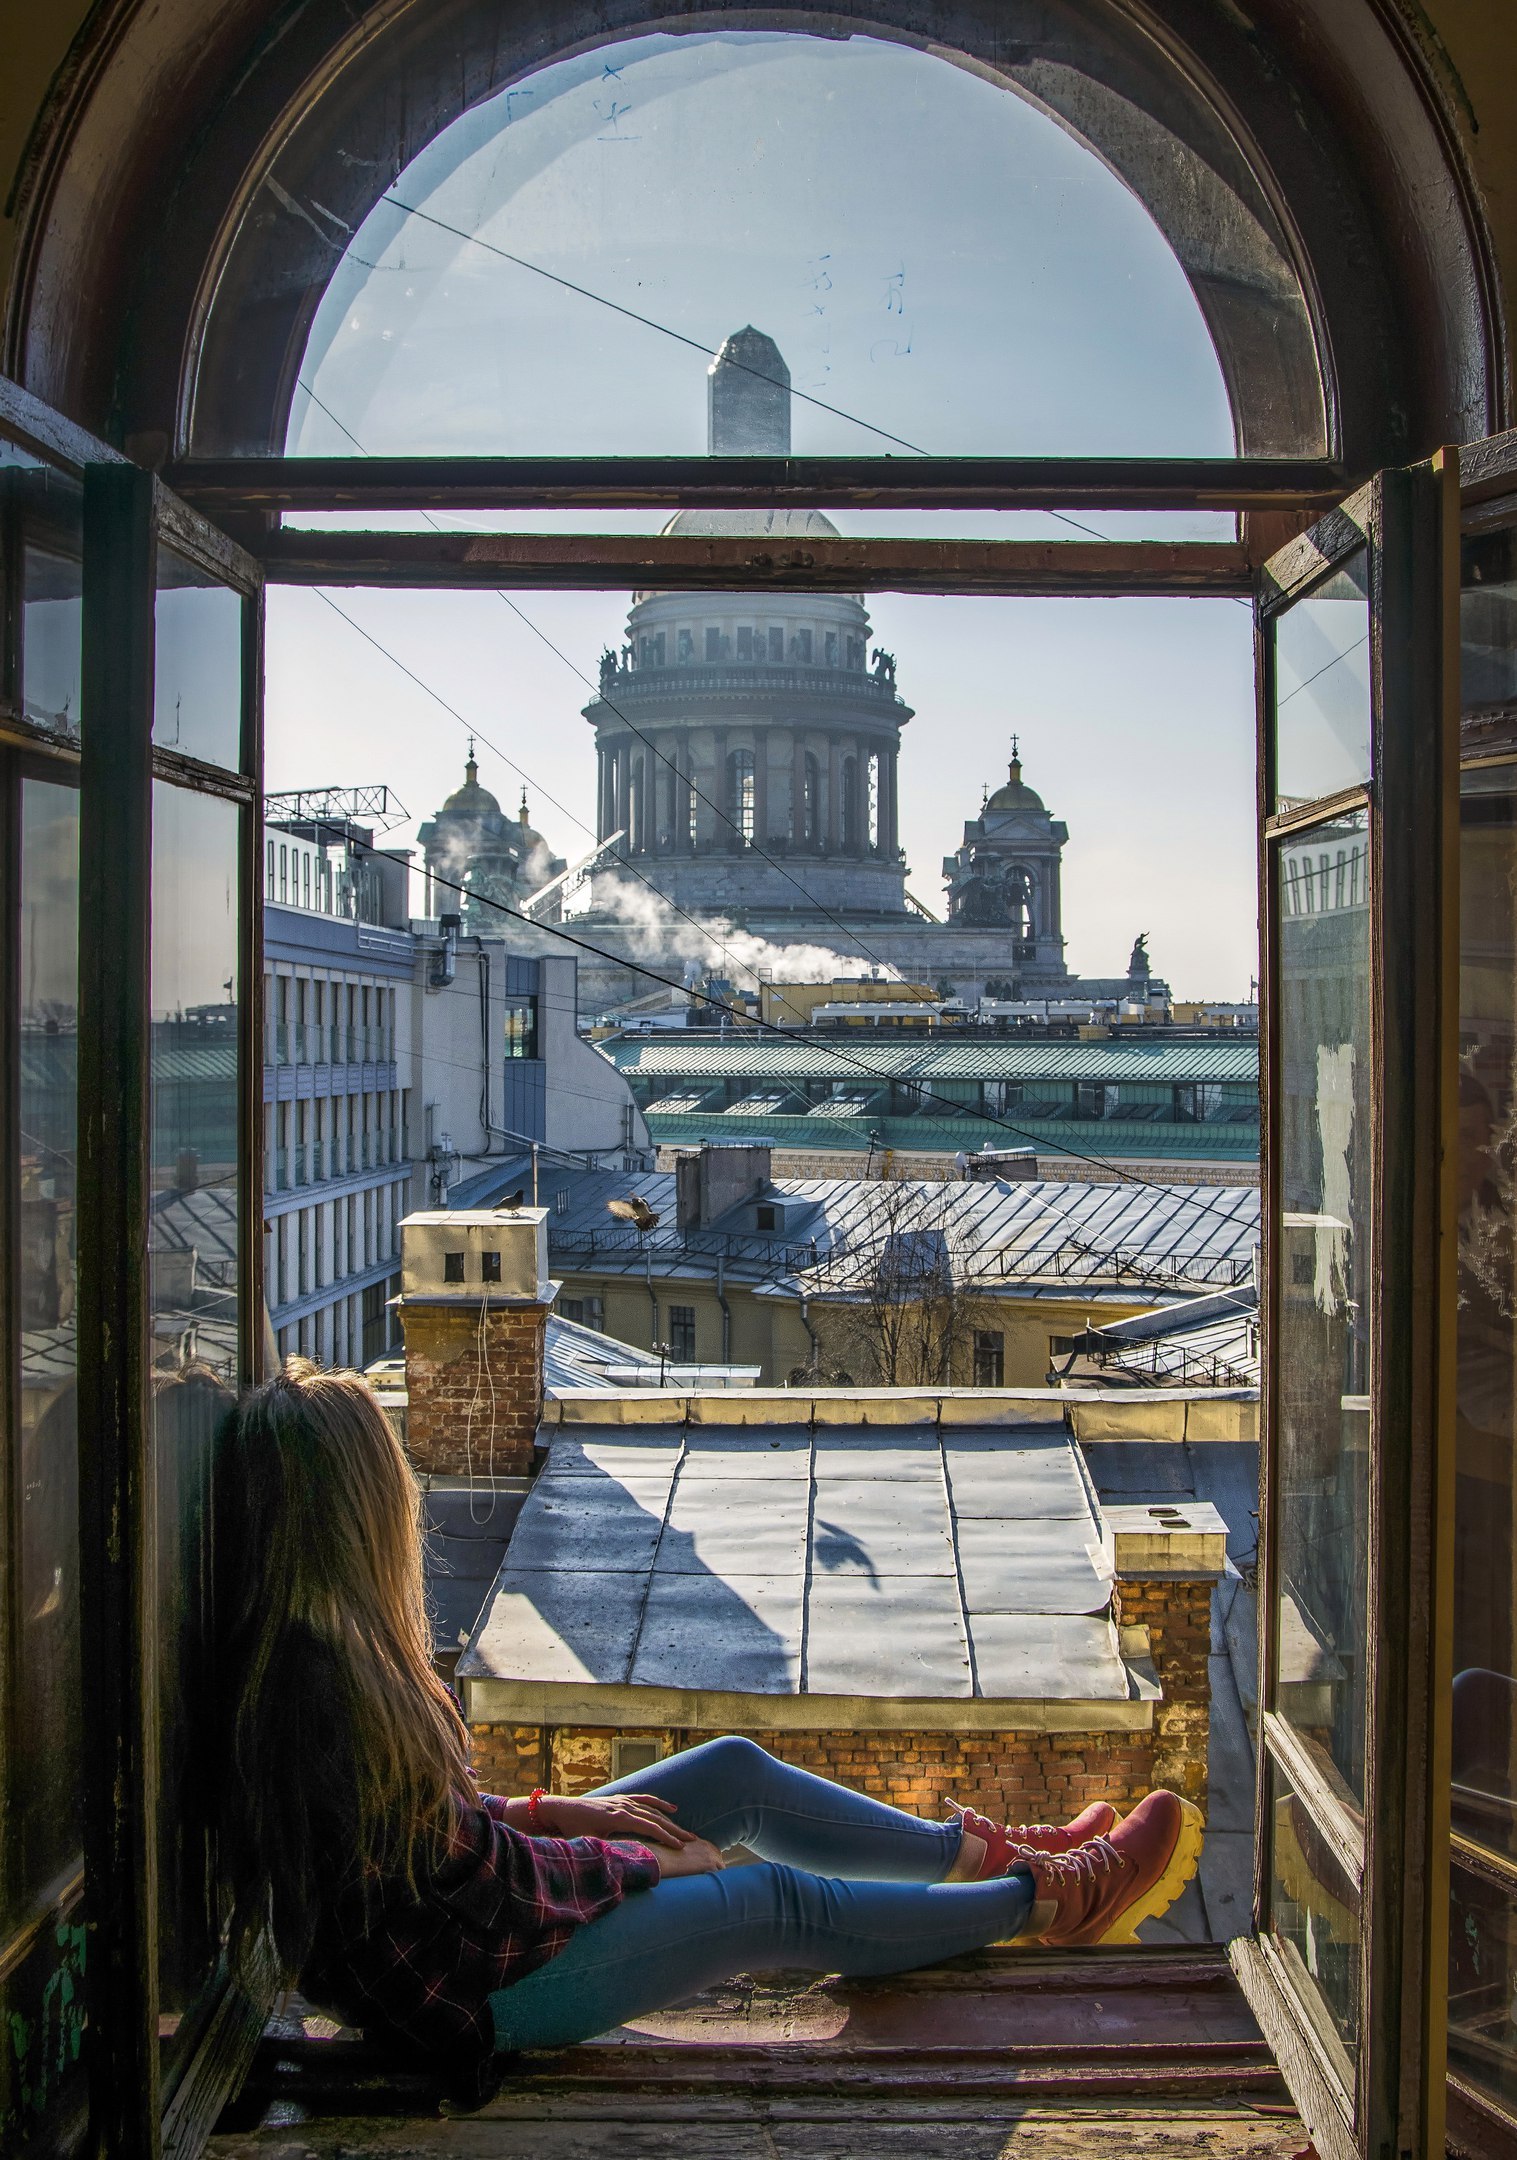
920, 1089
687, 779
921, 1092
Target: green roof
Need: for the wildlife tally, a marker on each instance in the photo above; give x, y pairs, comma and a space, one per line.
1122, 1139
756, 1056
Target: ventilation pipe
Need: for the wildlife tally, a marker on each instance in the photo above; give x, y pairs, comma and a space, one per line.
445, 966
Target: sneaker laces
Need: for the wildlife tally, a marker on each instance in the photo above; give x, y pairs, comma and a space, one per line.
1098, 1857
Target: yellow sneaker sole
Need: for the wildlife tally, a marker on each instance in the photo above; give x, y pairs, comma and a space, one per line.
1183, 1862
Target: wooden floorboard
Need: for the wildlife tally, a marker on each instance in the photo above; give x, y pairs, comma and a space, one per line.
1005, 2056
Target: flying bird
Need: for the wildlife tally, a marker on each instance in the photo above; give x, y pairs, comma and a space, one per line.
636, 1210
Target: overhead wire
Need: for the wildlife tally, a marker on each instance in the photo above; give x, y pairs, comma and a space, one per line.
686, 779
920, 1089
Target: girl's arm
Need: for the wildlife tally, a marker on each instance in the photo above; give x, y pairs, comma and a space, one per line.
640, 1816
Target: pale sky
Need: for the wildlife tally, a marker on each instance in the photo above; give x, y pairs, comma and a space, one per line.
933, 255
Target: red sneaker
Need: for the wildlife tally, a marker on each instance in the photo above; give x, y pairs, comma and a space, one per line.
1007, 1843
1102, 1891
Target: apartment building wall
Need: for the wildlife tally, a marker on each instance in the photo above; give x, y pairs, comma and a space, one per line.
397, 1063
777, 1335
339, 1083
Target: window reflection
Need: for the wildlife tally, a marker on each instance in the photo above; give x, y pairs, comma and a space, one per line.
40, 520
1483, 1880
193, 1294
1314, 1918
1324, 1263
41, 1762
1322, 689
197, 664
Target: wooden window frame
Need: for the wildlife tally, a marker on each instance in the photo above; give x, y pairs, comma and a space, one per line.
248, 497
1395, 1852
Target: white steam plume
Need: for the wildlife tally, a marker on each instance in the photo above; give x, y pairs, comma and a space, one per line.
717, 946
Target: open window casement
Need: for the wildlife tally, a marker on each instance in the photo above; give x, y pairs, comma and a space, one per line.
1358, 779
129, 762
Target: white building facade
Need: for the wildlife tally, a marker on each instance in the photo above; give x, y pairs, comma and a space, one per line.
401, 1058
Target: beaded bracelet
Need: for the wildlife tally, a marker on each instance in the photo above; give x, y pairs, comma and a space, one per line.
535, 1810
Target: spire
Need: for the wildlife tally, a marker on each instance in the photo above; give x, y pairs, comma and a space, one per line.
748, 398
1016, 762
524, 817
471, 768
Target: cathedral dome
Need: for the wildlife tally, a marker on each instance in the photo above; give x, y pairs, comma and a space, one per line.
1015, 794
471, 800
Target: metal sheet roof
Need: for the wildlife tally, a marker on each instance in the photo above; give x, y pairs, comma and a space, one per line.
767, 1057
1173, 1238
838, 1563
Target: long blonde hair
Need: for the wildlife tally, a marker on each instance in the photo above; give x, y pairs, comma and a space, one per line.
334, 1720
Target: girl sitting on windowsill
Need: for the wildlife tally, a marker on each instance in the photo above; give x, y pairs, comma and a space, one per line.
468, 1927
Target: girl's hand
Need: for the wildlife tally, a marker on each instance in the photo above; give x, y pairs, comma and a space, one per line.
640, 1816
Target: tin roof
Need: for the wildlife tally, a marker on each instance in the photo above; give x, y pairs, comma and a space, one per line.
682, 1566
1009, 1233
768, 1057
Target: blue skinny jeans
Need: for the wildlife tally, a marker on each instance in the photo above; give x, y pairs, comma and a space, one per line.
842, 1884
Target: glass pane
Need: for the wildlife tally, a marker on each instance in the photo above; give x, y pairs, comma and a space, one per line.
42, 1768
1483, 1983
40, 520
192, 1263
197, 685
41, 1995
1484, 1710
1325, 1260
1322, 689
1314, 1918
580, 245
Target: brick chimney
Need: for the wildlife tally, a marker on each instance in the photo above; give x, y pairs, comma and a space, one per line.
1167, 1558
474, 1307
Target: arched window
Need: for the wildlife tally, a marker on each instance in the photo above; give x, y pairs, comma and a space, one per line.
636, 805
872, 805
741, 793
811, 799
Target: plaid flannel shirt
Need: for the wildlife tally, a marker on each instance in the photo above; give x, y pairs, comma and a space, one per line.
420, 1964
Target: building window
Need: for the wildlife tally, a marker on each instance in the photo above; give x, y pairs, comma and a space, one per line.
872, 770
989, 1357
741, 786
489, 1267
375, 1322
452, 1267
284, 871
776, 647
803, 647
745, 643
521, 1027
766, 1217
830, 648
682, 1333
588, 1312
686, 646
850, 787
811, 798
713, 644
630, 1756
856, 653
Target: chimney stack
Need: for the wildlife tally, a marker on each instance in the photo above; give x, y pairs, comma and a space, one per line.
474, 1308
